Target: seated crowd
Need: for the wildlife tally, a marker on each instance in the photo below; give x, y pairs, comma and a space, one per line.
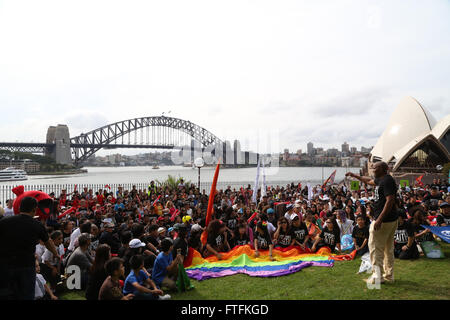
129, 244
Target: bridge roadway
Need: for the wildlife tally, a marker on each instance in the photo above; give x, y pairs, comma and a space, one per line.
40, 147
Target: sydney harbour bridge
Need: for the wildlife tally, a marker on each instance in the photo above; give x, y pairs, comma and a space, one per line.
158, 132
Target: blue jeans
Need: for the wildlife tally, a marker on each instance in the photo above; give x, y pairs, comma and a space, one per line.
17, 283
362, 251
144, 296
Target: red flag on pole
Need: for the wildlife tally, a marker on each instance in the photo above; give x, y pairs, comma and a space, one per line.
154, 202
329, 180
210, 203
419, 181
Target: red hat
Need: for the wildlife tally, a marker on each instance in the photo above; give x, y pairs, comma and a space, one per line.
45, 202
160, 219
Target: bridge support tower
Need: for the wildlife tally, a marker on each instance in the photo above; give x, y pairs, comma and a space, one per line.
60, 136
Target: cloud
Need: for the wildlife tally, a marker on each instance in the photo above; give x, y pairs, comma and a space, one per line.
85, 122
360, 102
440, 106
325, 73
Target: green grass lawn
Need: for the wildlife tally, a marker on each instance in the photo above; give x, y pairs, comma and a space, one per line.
423, 279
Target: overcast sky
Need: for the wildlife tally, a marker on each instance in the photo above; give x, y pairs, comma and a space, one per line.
320, 71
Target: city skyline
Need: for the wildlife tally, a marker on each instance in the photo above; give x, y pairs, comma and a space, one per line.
235, 146
362, 149
277, 68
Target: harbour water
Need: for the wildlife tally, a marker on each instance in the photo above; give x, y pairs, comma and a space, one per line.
117, 175
99, 177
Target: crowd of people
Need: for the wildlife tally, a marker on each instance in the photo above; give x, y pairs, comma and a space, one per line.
129, 244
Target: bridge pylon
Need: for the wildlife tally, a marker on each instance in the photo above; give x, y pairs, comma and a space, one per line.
60, 137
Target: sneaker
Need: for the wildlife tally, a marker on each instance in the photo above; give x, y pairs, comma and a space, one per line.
165, 297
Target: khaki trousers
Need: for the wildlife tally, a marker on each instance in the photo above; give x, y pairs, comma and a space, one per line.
381, 247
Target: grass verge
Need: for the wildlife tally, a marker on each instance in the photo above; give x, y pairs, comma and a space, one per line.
422, 279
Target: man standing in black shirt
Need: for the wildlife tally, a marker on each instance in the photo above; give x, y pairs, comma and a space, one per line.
382, 229
19, 235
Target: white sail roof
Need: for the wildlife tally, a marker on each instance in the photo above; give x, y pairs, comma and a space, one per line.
401, 154
441, 127
408, 121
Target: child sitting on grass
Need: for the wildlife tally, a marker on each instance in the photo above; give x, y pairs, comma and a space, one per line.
165, 269
138, 280
110, 289
360, 235
41, 290
52, 265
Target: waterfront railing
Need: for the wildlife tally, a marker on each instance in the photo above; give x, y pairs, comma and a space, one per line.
6, 190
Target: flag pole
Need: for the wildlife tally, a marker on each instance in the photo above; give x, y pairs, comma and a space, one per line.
322, 173
210, 208
255, 188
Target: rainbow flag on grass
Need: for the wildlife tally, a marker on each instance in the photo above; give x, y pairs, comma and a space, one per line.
241, 259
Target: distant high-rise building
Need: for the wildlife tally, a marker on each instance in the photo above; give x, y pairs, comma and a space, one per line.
238, 155
332, 152
353, 150
299, 152
310, 148
366, 150
345, 147
286, 154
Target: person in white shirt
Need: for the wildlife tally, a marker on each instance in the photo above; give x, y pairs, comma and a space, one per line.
41, 288
85, 227
74, 236
189, 211
40, 249
345, 225
364, 197
52, 263
355, 196
290, 213
9, 211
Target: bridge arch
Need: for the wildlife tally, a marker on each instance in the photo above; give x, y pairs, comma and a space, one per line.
86, 144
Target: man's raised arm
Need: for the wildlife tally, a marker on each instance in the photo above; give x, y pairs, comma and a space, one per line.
366, 180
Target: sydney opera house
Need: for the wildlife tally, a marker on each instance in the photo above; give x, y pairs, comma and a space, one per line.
413, 143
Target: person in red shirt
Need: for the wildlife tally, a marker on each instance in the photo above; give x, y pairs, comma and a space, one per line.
76, 201
100, 197
63, 198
